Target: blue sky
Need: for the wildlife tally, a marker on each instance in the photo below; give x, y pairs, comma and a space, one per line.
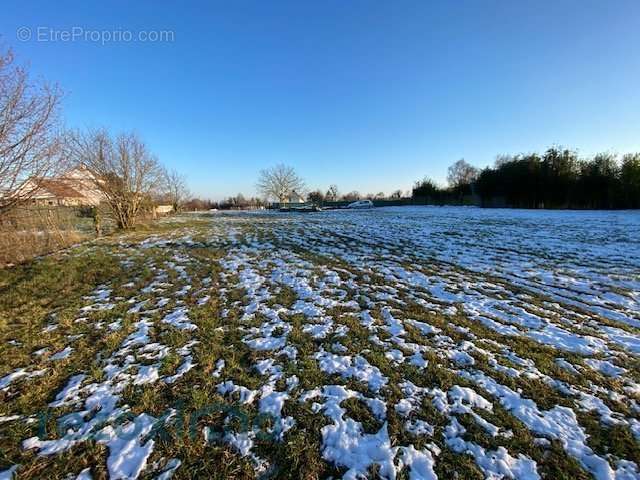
368, 95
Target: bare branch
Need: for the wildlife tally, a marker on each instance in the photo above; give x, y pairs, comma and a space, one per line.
279, 182
461, 173
176, 190
122, 168
30, 144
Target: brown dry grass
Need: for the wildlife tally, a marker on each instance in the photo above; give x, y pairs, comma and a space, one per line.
29, 232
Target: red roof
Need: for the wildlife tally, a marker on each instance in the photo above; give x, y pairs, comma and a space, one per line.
59, 189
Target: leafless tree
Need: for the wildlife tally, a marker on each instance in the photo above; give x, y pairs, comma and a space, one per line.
196, 204
239, 201
279, 182
461, 173
397, 195
29, 140
176, 188
332, 194
123, 169
352, 196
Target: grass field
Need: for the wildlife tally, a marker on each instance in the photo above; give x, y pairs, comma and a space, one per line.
395, 343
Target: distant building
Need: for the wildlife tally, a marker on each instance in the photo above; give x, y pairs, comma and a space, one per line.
82, 180
73, 188
56, 193
163, 209
295, 198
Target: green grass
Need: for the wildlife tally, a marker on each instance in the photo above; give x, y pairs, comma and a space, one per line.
53, 290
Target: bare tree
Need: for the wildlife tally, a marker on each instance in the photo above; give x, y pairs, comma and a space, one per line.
279, 182
332, 194
176, 189
397, 195
239, 201
123, 169
352, 196
29, 141
196, 204
461, 173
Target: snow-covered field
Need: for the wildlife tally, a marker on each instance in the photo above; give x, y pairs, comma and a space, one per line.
395, 343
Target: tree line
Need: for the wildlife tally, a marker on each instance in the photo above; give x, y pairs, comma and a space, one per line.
461, 178
560, 179
34, 147
280, 182
277, 185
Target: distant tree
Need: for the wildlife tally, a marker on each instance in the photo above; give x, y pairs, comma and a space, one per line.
461, 174
176, 189
279, 182
332, 194
316, 197
30, 144
559, 179
425, 188
378, 196
488, 185
397, 195
123, 169
598, 181
351, 196
502, 159
516, 181
630, 180
239, 201
196, 204
558, 173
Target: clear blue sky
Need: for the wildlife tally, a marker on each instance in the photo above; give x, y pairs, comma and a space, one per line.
368, 95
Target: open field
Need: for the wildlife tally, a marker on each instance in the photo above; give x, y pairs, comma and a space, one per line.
399, 342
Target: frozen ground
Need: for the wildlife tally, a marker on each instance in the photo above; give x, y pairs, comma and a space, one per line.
396, 343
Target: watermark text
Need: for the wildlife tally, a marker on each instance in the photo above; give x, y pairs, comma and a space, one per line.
46, 34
